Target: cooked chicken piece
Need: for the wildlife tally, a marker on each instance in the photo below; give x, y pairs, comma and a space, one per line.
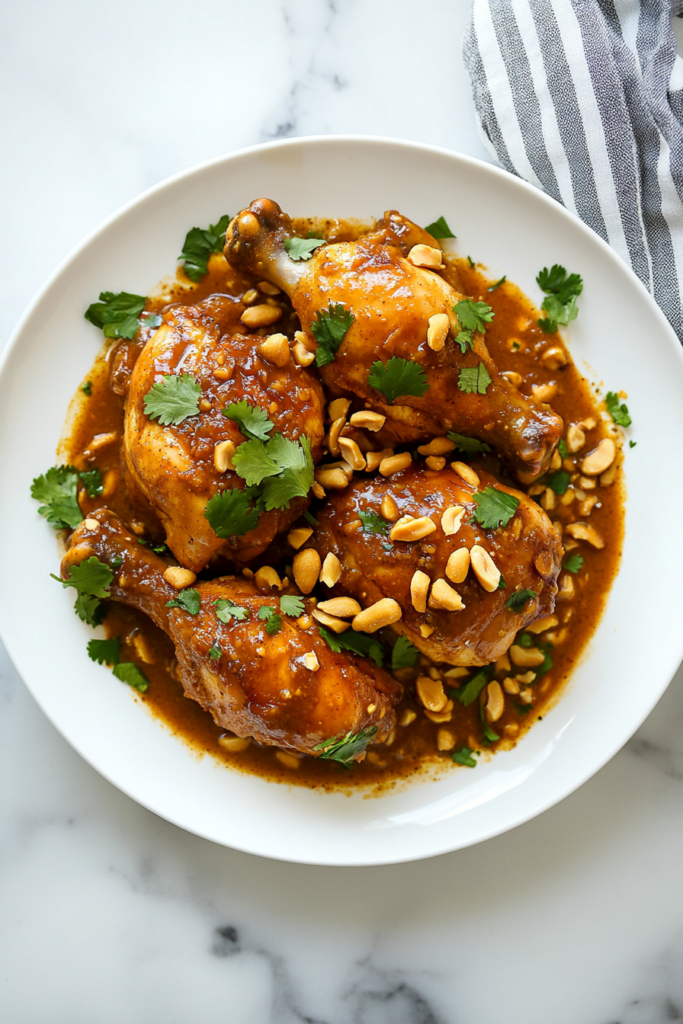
526, 551
392, 301
286, 689
175, 466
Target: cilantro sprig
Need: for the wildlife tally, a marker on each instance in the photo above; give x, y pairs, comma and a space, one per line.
117, 314
233, 513
128, 672
199, 244
188, 599
398, 377
404, 654
618, 411
494, 508
292, 605
573, 563
439, 229
251, 419
345, 749
474, 380
559, 481
58, 491
468, 445
373, 523
464, 757
517, 601
561, 292
329, 329
91, 581
173, 399
105, 652
282, 469
358, 643
272, 619
302, 248
468, 693
472, 317
227, 610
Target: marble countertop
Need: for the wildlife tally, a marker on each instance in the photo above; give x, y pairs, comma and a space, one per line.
109, 914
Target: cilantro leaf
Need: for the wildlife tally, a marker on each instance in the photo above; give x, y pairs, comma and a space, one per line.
494, 508
471, 262
468, 693
215, 652
516, 602
273, 620
328, 329
464, 757
439, 229
292, 605
489, 735
87, 388
128, 672
296, 478
90, 610
618, 412
189, 600
173, 399
562, 448
227, 610
105, 652
545, 665
199, 244
118, 315
345, 748
231, 513
573, 563
302, 248
92, 481
404, 654
469, 445
474, 315
398, 377
359, 643
253, 463
57, 489
561, 290
373, 523
497, 284
559, 481
91, 577
474, 379
252, 421
632, 444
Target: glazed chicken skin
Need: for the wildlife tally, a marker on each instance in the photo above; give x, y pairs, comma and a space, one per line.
263, 685
176, 467
526, 551
392, 301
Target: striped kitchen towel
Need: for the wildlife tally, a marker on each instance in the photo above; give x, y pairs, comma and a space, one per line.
584, 99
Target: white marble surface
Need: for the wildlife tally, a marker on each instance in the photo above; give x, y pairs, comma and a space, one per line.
109, 914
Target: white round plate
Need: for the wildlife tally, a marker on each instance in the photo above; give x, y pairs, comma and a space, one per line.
514, 230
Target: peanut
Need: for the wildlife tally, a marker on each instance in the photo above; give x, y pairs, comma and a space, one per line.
275, 349
485, 569
331, 570
419, 588
458, 565
261, 315
306, 569
382, 613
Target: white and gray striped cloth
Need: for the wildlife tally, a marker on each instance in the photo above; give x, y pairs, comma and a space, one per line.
584, 99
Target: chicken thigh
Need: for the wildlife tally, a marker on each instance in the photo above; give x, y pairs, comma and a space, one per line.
285, 688
180, 465
458, 562
392, 301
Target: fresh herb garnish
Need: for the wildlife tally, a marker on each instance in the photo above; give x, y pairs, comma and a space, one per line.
470, 261
92, 481
522, 709
525, 640
516, 602
232, 513
91, 577
546, 664
468, 445
57, 489
561, 290
252, 421
105, 652
89, 609
494, 508
472, 316
562, 448
310, 518
302, 248
497, 284
373, 523
253, 463
618, 412
573, 563
474, 379
468, 693
489, 735
117, 314
189, 600
227, 610
215, 653
359, 643
295, 471
344, 749
173, 399
328, 329
464, 757
292, 605
398, 377
128, 672
439, 229
199, 244
502, 585
403, 654
87, 388
273, 620
559, 481
632, 444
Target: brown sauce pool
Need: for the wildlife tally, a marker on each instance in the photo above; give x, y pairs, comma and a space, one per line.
517, 345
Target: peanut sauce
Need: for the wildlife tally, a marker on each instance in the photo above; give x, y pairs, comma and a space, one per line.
516, 344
